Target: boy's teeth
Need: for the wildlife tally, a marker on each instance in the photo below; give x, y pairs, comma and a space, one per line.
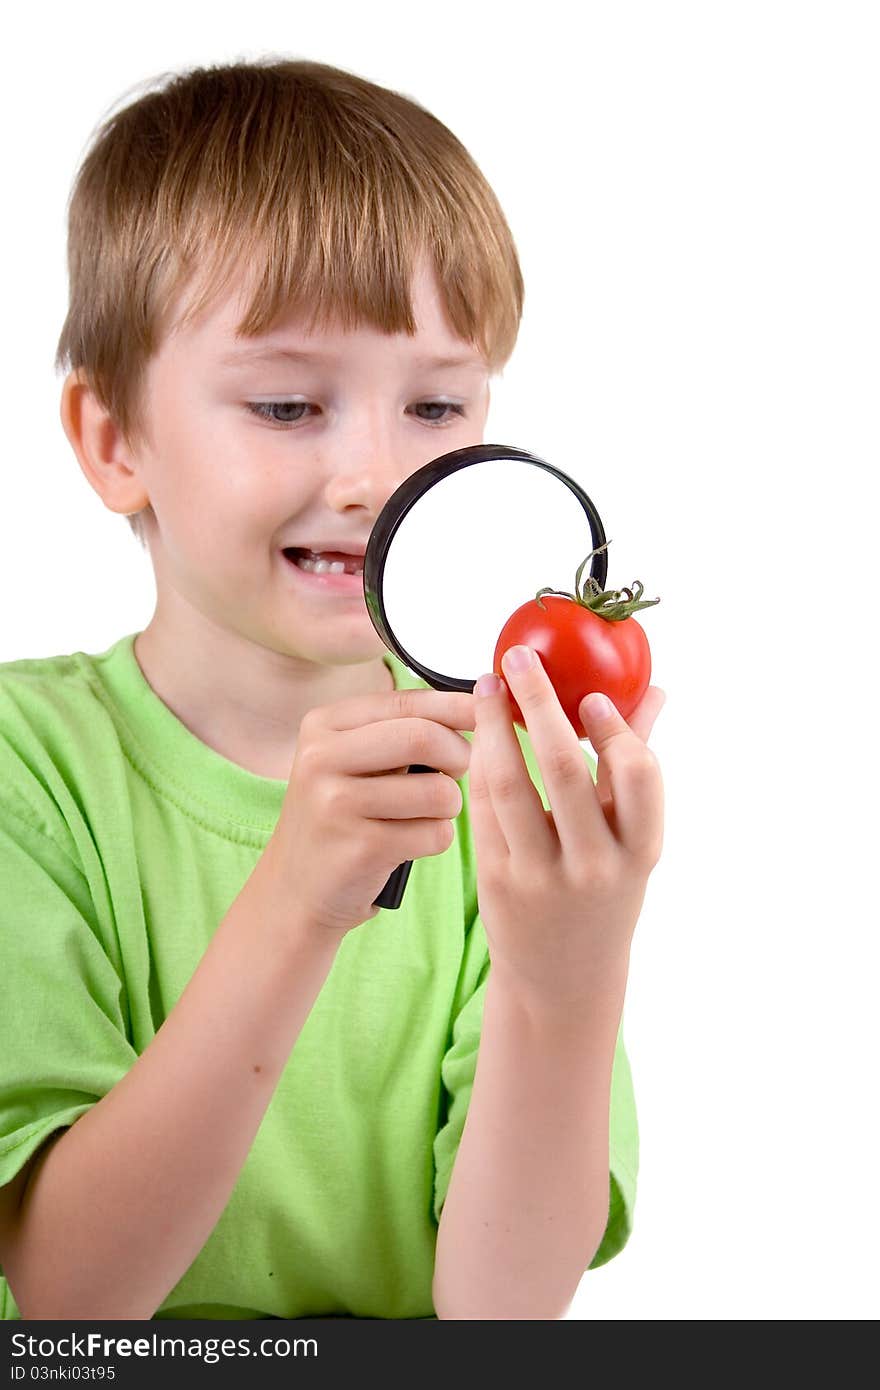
316, 565
322, 566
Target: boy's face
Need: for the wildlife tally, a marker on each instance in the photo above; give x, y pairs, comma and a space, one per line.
231, 485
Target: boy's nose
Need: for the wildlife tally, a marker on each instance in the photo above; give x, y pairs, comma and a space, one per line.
365, 487
374, 466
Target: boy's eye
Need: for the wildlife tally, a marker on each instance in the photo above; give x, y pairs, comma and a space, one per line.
440, 405
263, 410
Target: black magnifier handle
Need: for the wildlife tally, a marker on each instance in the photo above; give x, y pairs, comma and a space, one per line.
392, 893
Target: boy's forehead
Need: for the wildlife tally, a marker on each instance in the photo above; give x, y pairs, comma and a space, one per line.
214, 334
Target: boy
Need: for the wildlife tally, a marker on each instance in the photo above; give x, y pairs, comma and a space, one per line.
229, 1087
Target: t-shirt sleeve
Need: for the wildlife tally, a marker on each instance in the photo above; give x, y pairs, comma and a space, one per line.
458, 1070
63, 1039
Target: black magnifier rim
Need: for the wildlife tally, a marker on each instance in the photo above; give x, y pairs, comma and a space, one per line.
405, 497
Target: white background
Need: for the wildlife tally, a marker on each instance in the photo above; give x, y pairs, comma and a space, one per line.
693, 192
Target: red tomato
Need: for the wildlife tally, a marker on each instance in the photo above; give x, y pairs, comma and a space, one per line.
580, 650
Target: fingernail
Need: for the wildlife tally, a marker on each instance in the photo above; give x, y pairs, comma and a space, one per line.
517, 659
597, 706
487, 685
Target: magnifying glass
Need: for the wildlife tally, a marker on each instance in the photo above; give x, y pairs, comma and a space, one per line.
459, 546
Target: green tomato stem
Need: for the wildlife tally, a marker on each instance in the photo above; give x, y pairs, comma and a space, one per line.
610, 603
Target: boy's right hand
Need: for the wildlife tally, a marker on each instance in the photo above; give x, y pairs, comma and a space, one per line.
352, 813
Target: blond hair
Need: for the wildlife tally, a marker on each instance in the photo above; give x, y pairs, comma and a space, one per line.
326, 188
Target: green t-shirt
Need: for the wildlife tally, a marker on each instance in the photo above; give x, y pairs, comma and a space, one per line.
124, 841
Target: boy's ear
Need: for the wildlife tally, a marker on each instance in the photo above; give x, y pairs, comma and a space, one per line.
103, 455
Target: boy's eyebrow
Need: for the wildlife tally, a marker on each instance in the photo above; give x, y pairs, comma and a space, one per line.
270, 354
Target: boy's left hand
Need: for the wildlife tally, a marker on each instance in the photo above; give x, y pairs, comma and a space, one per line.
560, 891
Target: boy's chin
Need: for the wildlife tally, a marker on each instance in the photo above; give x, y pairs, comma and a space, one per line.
332, 650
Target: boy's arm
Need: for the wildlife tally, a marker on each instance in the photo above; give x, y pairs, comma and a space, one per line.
118, 1208
527, 1203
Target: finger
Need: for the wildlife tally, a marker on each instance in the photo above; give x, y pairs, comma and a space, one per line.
489, 842
516, 801
632, 775
577, 814
393, 744
641, 721
452, 707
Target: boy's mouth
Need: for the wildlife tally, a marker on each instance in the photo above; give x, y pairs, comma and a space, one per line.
324, 562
